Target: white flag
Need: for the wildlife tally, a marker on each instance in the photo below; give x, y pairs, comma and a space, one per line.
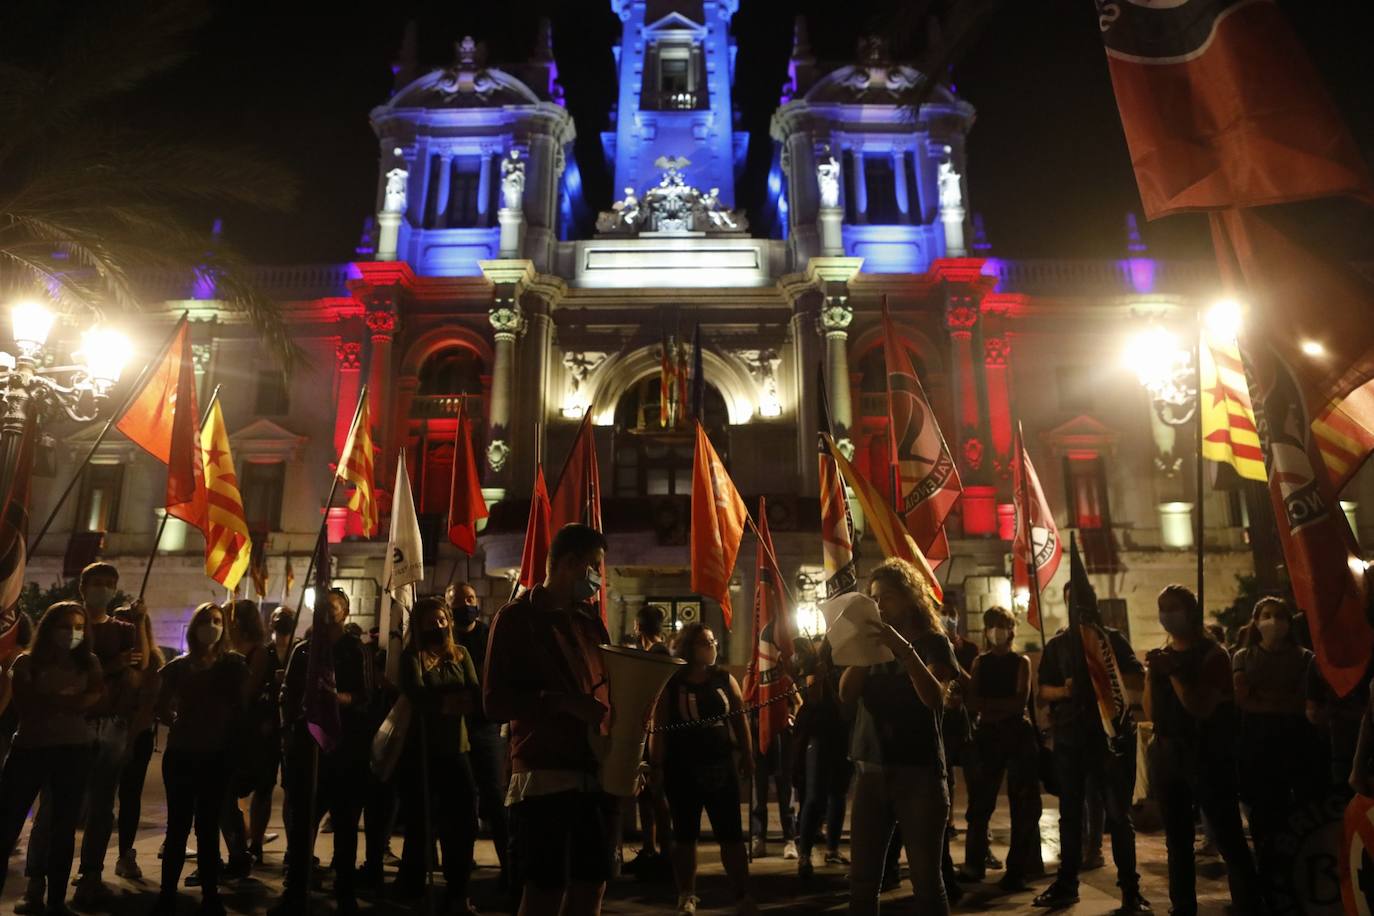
403, 567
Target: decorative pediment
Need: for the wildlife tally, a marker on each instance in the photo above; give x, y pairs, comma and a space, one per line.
264, 441
675, 22
1083, 436
115, 449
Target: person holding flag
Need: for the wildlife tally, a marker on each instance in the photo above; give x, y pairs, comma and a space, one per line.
896, 746
696, 759
1087, 675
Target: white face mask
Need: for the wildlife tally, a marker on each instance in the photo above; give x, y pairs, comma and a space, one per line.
999, 636
98, 597
1272, 629
68, 637
208, 634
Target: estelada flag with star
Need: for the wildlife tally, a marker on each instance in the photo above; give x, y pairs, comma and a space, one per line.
1228, 419
163, 419
1222, 107
228, 547
718, 520
466, 507
767, 680
356, 465
927, 482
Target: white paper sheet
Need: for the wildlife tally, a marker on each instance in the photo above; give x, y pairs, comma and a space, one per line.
847, 627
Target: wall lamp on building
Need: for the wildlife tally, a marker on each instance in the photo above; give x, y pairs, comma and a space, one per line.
31, 387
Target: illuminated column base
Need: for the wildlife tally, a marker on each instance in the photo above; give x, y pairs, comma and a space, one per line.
1176, 525
512, 227
832, 236
388, 235
953, 220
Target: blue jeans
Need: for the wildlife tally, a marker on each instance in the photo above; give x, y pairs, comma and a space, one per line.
917, 799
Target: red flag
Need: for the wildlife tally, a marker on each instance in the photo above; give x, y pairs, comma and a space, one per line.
683, 377
718, 519
14, 529
1037, 536
666, 381
534, 558
577, 495
1222, 107
927, 480
767, 679
465, 505
1323, 560
163, 419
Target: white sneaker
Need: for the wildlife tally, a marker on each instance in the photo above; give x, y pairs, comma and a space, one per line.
687, 905
758, 847
789, 849
126, 866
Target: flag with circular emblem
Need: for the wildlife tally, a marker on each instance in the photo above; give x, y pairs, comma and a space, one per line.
228, 547
355, 467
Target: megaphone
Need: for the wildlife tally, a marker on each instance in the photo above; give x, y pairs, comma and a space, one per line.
635, 679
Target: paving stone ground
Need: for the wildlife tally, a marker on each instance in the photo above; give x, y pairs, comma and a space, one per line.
777, 887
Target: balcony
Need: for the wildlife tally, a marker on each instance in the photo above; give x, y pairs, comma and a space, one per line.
680, 100
443, 406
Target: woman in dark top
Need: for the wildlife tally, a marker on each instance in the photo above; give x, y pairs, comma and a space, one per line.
202, 698
1004, 742
142, 735
55, 684
824, 733
1277, 743
896, 745
1188, 697
701, 766
438, 677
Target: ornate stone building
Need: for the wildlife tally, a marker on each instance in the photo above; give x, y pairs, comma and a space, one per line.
479, 288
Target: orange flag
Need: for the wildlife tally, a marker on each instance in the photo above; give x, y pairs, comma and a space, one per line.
767, 679
534, 558
163, 419
465, 505
355, 466
718, 519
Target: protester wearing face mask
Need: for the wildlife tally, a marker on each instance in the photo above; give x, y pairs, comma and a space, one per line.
698, 764
341, 775
1004, 741
202, 699
281, 637
55, 684
1188, 696
1277, 743
488, 749
544, 674
438, 677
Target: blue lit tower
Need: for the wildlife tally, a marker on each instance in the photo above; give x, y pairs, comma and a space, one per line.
676, 66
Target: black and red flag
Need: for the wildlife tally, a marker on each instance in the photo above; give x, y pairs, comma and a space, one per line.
466, 507
767, 680
837, 524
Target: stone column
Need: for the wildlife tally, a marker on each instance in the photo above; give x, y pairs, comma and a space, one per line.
441, 190
952, 211
961, 315
832, 276
381, 322
860, 187
484, 189
899, 182
507, 322
806, 357
348, 357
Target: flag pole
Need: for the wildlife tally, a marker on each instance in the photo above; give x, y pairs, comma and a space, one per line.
134, 391
1198, 469
324, 522
162, 525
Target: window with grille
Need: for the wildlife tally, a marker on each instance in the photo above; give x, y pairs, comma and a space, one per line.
98, 508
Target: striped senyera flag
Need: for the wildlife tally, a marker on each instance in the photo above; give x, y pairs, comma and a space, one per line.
228, 547
1228, 419
355, 467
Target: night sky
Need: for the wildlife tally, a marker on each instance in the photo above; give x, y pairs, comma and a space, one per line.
1048, 167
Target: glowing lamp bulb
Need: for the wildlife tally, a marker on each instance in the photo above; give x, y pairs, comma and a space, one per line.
104, 351
1152, 355
31, 322
1312, 348
1224, 319
310, 597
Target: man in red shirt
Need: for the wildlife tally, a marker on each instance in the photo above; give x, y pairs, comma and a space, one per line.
544, 675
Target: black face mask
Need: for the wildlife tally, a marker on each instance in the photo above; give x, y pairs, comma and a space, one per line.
433, 637
283, 627
465, 614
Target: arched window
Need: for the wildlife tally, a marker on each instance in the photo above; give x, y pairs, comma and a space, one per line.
873, 380
654, 458
447, 377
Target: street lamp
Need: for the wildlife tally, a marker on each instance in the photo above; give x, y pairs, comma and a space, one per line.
76, 390
1167, 371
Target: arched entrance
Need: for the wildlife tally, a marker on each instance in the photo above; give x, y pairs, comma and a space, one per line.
651, 457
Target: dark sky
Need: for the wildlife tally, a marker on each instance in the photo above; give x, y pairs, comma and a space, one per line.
1047, 161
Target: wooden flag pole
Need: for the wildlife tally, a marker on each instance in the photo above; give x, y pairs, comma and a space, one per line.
134, 390
162, 525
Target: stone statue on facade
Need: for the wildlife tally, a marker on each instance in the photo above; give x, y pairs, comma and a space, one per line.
512, 181
828, 177
671, 207
394, 198
951, 194
718, 217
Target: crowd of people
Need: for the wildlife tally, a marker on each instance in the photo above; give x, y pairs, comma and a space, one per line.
500, 720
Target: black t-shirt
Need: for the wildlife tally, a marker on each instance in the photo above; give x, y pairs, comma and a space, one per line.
475, 642
1077, 720
699, 745
892, 726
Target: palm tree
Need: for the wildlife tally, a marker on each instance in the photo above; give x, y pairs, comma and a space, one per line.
86, 200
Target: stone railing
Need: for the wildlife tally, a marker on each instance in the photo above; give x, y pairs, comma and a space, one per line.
433, 406
1098, 277
283, 282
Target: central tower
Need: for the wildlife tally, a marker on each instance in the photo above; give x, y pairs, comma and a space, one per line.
676, 65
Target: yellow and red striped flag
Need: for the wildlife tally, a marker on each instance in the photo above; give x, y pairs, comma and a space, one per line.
228, 547
1228, 419
355, 467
